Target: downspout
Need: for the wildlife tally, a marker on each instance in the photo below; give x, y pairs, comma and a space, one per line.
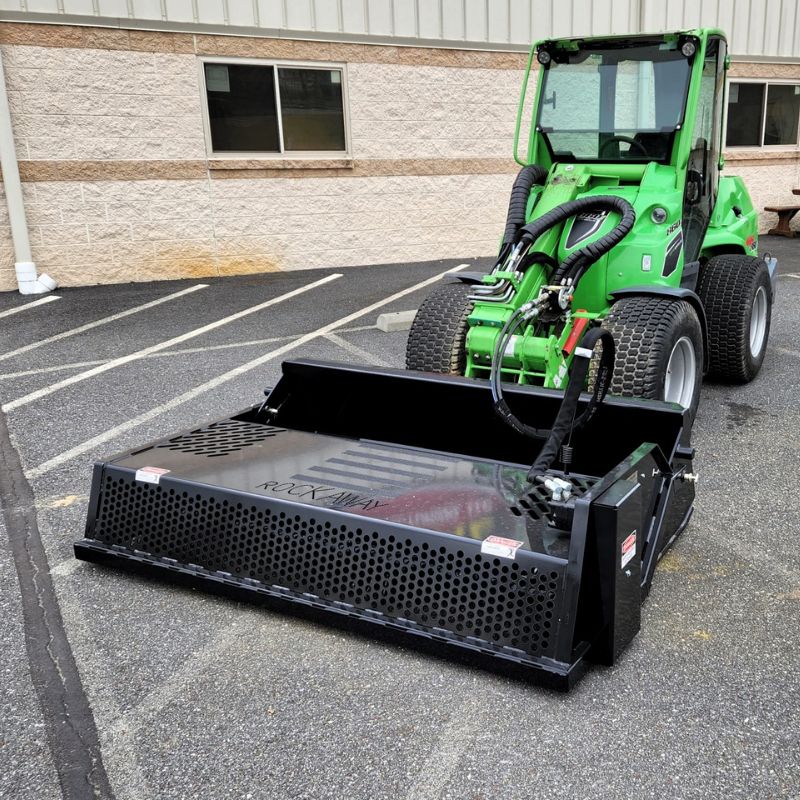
27, 279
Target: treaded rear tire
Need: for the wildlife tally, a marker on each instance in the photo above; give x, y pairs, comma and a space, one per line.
727, 286
437, 339
645, 331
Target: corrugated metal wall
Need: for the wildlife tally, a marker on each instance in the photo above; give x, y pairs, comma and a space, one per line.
768, 28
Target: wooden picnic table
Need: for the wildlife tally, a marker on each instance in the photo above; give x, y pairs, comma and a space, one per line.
785, 216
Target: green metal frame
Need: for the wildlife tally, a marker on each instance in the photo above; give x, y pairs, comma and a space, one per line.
537, 356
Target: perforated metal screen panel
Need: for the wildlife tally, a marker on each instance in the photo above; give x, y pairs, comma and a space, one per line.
221, 438
415, 576
536, 502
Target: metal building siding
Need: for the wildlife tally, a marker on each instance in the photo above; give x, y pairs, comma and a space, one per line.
755, 27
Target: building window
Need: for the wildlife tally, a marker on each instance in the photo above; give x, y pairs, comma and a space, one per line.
762, 114
274, 108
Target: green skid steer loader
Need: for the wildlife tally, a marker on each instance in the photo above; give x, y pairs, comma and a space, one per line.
618, 218
506, 499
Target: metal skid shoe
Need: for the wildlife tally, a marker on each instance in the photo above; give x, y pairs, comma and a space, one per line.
391, 502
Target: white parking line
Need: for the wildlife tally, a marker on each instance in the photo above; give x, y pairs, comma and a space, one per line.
66, 567
132, 719
789, 275
362, 355
168, 353
49, 299
118, 362
785, 351
191, 394
89, 325
54, 368
456, 736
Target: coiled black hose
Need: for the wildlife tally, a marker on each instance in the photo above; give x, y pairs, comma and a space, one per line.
572, 267
518, 204
585, 256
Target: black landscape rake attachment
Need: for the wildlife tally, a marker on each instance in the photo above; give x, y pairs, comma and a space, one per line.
390, 502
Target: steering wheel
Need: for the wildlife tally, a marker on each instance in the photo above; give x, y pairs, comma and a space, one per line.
627, 139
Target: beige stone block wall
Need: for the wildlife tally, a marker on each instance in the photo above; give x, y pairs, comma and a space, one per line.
87, 104
123, 107
119, 231
8, 279
769, 185
93, 118
401, 111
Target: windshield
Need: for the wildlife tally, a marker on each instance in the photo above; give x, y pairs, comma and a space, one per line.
614, 103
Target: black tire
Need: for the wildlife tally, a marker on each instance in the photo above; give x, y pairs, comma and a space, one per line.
437, 339
728, 285
645, 331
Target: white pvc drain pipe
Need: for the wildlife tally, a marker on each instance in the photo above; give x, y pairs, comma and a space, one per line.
27, 279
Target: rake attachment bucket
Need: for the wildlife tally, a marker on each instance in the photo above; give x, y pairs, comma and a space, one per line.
396, 503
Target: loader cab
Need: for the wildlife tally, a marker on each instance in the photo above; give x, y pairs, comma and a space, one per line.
705, 141
617, 101
636, 101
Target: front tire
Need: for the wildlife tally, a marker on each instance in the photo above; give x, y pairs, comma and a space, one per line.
659, 350
736, 292
437, 341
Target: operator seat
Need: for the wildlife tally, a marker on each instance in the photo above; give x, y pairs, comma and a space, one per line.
656, 144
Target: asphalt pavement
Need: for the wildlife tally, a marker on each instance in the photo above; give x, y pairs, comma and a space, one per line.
153, 691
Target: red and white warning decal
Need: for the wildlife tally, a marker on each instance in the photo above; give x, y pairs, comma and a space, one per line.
629, 548
150, 474
498, 546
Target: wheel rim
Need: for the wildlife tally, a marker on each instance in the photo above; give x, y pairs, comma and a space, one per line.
758, 322
681, 373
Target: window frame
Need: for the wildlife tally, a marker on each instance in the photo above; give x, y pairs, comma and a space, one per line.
284, 154
766, 84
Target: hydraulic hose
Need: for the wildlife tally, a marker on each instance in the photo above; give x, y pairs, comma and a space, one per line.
518, 204
572, 267
500, 406
576, 263
585, 256
566, 413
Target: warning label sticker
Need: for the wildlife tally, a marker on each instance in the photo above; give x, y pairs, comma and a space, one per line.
498, 546
150, 474
629, 548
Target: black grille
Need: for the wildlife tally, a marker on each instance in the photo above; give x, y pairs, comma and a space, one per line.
408, 576
536, 502
221, 438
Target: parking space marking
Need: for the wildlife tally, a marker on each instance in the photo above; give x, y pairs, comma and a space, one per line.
455, 738
105, 320
789, 275
127, 723
54, 368
118, 362
168, 353
49, 299
66, 567
368, 358
191, 394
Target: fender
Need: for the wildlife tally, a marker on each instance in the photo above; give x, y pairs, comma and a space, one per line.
676, 293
